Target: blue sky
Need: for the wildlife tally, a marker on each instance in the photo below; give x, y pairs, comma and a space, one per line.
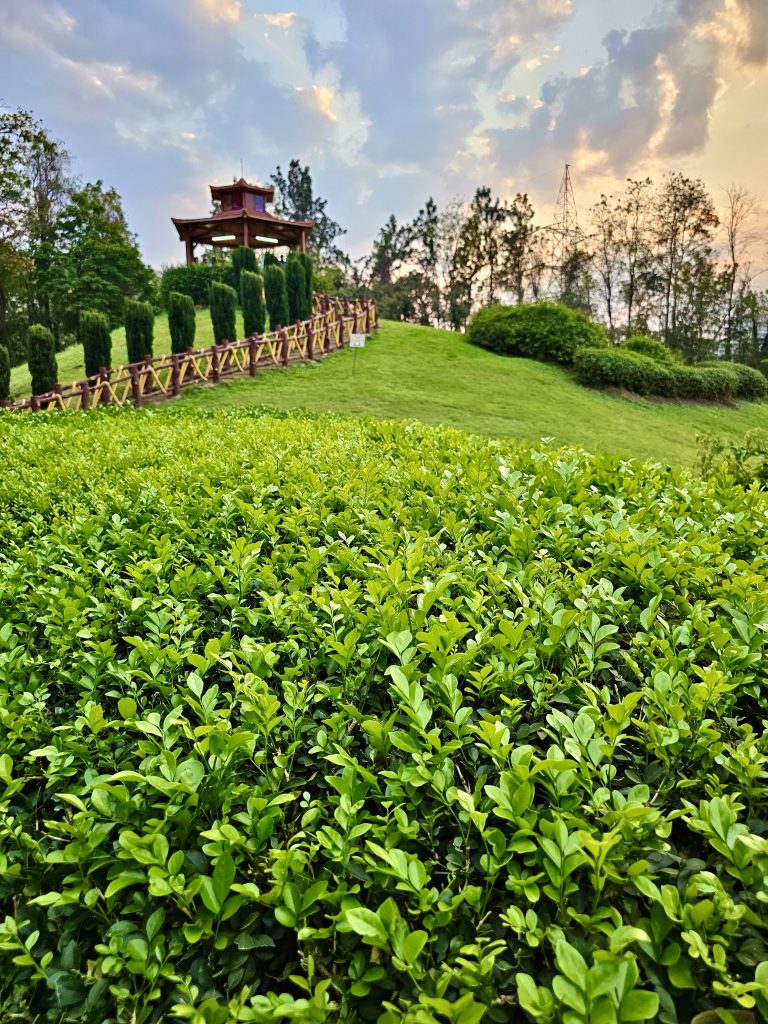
389, 101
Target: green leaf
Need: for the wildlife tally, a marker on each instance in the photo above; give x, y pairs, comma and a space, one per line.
368, 925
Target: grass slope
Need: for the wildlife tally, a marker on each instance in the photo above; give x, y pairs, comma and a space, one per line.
411, 372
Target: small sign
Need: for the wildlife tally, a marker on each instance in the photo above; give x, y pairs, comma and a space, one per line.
357, 341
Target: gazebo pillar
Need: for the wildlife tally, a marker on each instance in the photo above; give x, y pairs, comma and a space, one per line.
245, 232
188, 245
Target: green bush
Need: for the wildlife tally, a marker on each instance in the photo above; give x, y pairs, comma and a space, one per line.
139, 329
749, 383
223, 312
243, 258
296, 287
306, 262
645, 345
743, 463
252, 301
194, 280
331, 720
5, 374
42, 359
270, 260
276, 295
181, 321
763, 367
96, 340
542, 330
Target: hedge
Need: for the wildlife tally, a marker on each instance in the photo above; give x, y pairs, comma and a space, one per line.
194, 280
5, 374
181, 321
243, 258
276, 295
542, 330
252, 301
42, 359
645, 345
139, 329
97, 341
750, 383
306, 262
603, 368
296, 288
223, 312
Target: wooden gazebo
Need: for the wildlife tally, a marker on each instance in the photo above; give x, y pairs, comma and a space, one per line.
242, 219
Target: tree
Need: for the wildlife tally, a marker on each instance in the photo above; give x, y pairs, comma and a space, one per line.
739, 222
42, 360
97, 341
635, 243
139, 329
276, 295
223, 312
516, 239
425, 243
252, 301
607, 254
392, 248
181, 321
295, 200
296, 288
5, 374
306, 262
243, 258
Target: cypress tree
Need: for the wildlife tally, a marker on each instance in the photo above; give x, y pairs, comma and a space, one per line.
243, 258
5, 374
181, 321
97, 341
223, 312
139, 329
252, 301
296, 286
270, 260
42, 359
306, 262
277, 297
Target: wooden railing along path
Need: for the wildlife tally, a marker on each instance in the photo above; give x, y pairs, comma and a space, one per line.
160, 377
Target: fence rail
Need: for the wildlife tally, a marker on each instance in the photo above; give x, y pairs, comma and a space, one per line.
157, 378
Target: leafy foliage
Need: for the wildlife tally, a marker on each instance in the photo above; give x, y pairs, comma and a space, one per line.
252, 301
5, 374
306, 262
42, 359
744, 462
223, 312
644, 375
541, 330
181, 321
296, 290
645, 345
97, 341
194, 280
276, 295
243, 258
355, 722
295, 199
139, 329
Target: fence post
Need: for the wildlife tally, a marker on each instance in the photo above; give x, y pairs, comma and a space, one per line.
135, 387
215, 364
283, 335
85, 395
311, 340
252, 346
328, 325
175, 373
34, 403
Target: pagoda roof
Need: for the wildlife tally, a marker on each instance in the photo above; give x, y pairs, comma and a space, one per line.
244, 186
233, 222
223, 216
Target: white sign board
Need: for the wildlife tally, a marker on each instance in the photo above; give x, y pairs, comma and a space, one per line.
357, 341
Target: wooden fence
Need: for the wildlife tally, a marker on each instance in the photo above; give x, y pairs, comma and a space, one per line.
159, 377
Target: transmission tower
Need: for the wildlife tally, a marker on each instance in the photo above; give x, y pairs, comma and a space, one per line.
567, 236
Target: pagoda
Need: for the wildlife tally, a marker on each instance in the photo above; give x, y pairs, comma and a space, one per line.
242, 219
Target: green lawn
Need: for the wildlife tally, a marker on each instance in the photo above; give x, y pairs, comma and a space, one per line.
409, 372
419, 373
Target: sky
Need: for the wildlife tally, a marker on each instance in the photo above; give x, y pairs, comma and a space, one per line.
390, 101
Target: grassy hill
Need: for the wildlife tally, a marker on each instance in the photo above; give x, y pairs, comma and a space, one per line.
408, 372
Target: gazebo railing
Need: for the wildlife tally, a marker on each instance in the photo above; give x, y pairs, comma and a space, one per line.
156, 378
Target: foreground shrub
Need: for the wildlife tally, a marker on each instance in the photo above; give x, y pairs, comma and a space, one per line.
42, 359
181, 322
223, 312
276, 295
5, 374
296, 289
97, 341
741, 462
645, 345
139, 329
455, 715
243, 258
543, 330
252, 301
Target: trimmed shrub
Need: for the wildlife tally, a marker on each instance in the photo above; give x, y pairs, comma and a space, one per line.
542, 330
139, 329
749, 383
243, 258
252, 301
194, 280
97, 341
306, 262
296, 287
276, 294
42, 359
223, 312
645, 345
763, 367
181, 321
270, 260
5, 374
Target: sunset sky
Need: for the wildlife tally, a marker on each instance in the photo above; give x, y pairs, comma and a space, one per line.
390, 101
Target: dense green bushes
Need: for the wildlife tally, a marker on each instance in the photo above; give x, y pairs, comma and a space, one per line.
645, 345
542, 330
306, 262
97, 341
617, 368
42, 359
181, 321
223, 312
328, 720
195, 280
252, 301
139, 329
744, 463
243, 258
296, 289
5, 374
276, 295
